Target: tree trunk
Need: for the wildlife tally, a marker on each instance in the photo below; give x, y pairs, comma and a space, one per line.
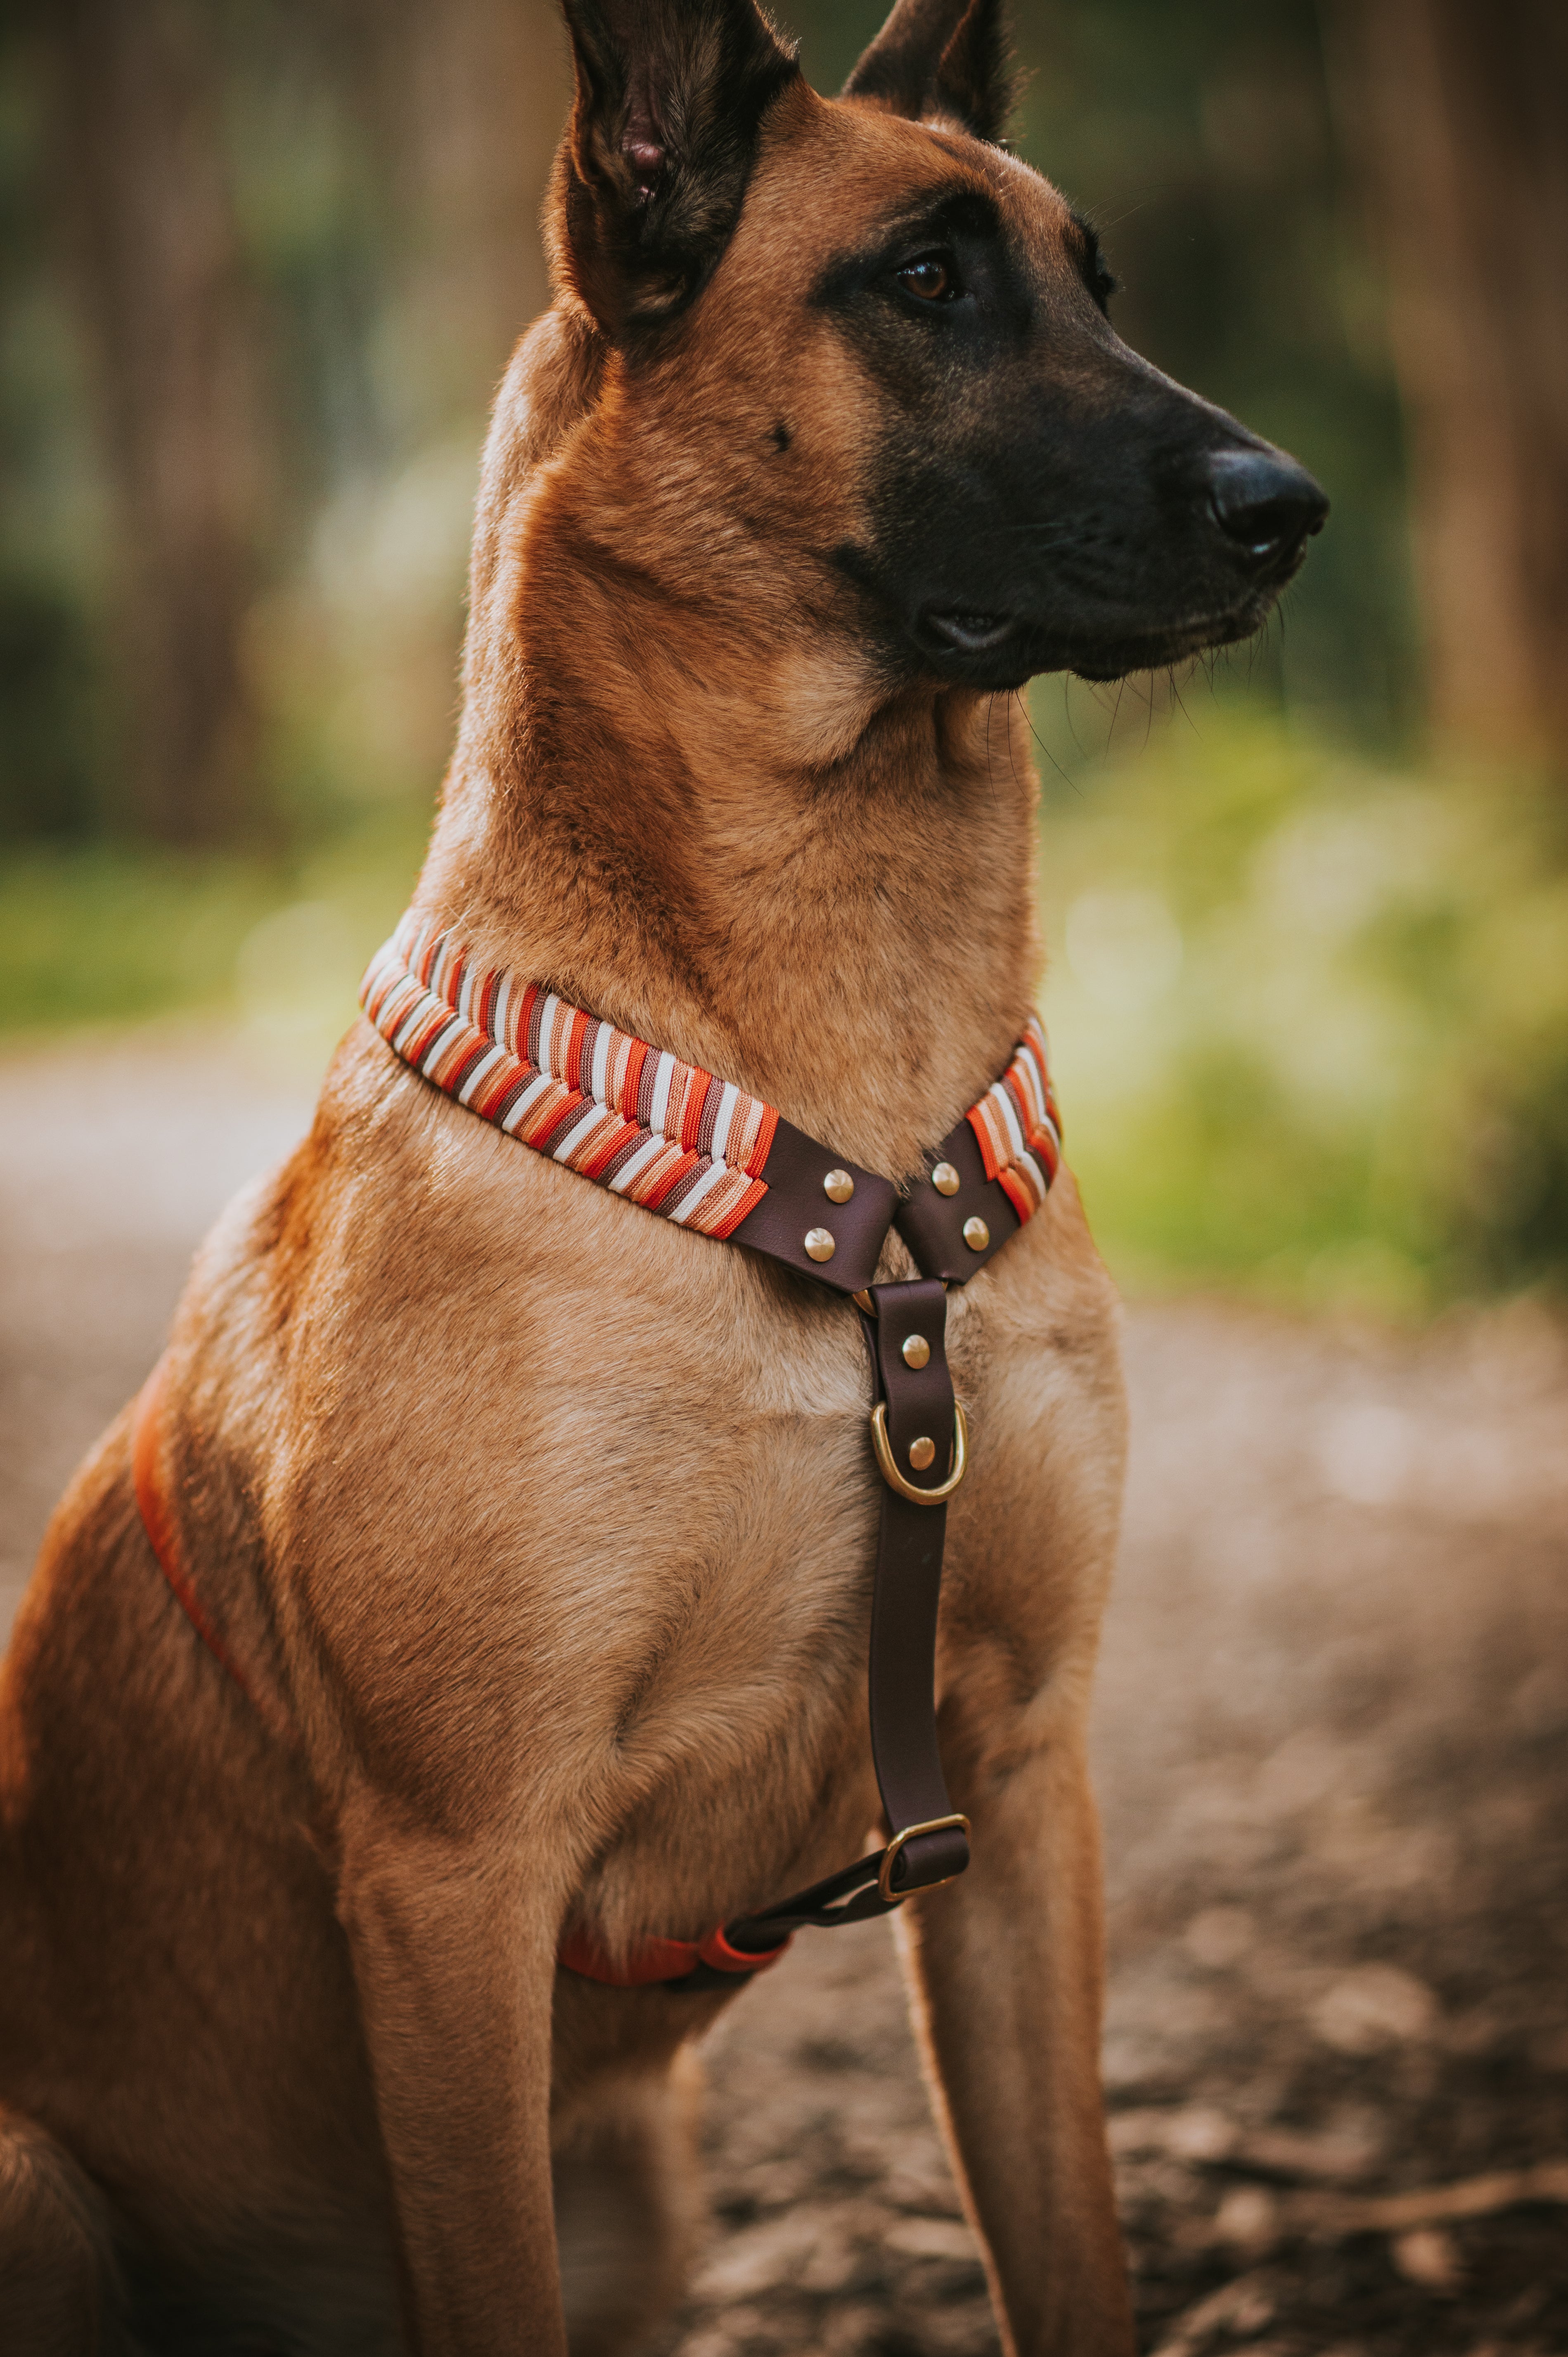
469, 99
154, 255
1457, 115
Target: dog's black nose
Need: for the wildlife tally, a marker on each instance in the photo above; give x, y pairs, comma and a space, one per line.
1263, 501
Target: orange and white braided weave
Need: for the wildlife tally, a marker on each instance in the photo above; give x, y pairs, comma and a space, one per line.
635, 1119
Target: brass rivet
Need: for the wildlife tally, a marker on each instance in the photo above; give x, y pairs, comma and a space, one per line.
915, 1350
976, 1234
945, 1179
838, 1186
819, 1244
922, 1454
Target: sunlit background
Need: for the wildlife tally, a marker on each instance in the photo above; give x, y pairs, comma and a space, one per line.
261, 266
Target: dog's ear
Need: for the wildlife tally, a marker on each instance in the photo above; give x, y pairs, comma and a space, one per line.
653, 168
940, 57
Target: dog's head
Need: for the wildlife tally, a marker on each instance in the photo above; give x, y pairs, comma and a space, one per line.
858, 351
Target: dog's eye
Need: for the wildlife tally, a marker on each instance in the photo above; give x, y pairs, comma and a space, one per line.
932, 277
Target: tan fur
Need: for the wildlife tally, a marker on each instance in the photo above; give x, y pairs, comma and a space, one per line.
543, 1529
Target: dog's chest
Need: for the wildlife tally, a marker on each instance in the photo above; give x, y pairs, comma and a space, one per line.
620, 1561
717, 1598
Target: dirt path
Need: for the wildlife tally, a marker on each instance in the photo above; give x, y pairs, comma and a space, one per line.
1330, 1740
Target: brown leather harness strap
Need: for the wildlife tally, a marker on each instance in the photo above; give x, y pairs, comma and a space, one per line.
930, 1842
932, 1219
954, 1220
797, 1205
918, 1401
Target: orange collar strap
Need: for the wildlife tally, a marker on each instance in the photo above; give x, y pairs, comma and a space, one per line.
157, 1521
663, 1960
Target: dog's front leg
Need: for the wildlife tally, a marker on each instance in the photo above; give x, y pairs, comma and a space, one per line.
1006, 1972
454, 1958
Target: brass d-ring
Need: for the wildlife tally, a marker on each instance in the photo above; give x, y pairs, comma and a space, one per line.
894, 1480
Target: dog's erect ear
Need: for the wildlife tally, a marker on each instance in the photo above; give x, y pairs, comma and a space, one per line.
940, 57
654, 166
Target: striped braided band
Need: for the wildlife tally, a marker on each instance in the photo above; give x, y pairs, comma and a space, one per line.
1018, 1125
665, 1134
635, 1119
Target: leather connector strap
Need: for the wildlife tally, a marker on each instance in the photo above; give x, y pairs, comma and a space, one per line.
798, 1206
932, 1221
908, 1340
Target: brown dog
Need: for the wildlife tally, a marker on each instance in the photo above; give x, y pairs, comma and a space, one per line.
540, 1531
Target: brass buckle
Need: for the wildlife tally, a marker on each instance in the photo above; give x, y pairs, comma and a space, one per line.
894, 1480
895, 1850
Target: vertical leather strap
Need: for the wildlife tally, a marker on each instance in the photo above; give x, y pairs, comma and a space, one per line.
919, 1399
916, 1391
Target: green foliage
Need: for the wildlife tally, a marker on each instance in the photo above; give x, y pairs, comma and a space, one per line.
1311, 1016
106, 936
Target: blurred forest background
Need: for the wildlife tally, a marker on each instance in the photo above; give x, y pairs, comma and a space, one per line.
261, 265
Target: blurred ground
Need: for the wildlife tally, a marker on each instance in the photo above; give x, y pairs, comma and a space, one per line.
1331, 1730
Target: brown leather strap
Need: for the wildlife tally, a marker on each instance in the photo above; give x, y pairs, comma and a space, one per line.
933, 1223
905, 1594
930, 1220
797, 1205
907, 1584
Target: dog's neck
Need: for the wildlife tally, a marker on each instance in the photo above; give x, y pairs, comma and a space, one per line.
710, 824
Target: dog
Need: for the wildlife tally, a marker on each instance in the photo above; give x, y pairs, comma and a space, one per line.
537, 1535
